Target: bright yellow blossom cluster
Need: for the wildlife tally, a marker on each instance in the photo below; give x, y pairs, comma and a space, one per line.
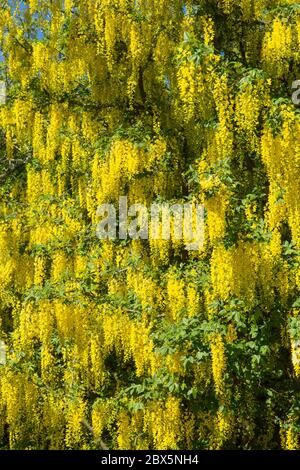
145, 344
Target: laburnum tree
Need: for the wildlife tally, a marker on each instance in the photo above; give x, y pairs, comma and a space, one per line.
143, 344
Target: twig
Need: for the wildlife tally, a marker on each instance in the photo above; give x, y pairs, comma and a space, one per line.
85, 423
17, 164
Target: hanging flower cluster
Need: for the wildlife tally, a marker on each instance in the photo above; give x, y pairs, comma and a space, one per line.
144, 344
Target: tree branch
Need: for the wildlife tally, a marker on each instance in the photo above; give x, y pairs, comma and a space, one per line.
85, 423
14, 166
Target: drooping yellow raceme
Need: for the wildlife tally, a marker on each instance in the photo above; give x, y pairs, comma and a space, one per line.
143, 344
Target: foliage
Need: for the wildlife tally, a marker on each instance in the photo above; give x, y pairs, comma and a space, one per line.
143, 344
